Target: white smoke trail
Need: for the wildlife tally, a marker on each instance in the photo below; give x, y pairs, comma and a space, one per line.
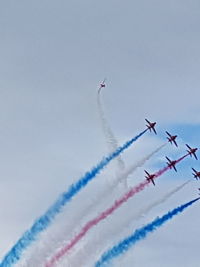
87, 255
109, 136
55, 239
147, 209
105, 194
133, 167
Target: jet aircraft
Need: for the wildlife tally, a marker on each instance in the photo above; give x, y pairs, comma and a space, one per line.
102, 85
150, 177
196, 174
151, 126
171, 163
192, 151
172, 138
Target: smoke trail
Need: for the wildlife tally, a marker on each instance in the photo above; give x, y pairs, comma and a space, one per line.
45, 220
100, 197
147, 209
93, 222
109, 136
104, 215
139, 234
133, 167
118, 179
125, 223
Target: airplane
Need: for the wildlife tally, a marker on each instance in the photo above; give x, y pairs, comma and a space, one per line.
150, 177
102, 85
196, 174
171, 163
172, 138
192, 151
151, 126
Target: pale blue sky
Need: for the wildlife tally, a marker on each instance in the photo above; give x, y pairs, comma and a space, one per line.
53, 56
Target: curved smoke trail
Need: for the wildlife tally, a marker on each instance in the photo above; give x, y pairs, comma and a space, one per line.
45, 220
90, 224
139, 234
109, 136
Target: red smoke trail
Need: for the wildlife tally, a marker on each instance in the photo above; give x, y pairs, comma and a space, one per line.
104, 215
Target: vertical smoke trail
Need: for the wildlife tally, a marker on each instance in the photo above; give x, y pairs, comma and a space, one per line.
139, 234
109, 136
102, 216
45, 220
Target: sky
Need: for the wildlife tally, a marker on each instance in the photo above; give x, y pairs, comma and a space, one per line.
53, 56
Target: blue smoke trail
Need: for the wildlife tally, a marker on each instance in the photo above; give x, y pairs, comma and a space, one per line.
139, 234
45, 220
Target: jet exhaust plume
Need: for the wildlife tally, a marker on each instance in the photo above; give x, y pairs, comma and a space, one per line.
42, 223
94, 222
147, 209
93, 205
109, 235
90, 224
140, 234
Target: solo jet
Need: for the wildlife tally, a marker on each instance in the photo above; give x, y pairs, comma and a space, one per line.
150, 177
196, 174
192, 151
151, 126
102, 85
171, 163
172, 138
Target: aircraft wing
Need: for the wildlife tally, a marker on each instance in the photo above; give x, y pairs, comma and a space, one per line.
188, 146
194, 170
195, 156
152, 180
175, 168
175, 143
154, 130
168, 134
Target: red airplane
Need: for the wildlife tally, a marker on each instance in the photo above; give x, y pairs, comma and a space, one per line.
196, 174
151, 126
102, 85
171, 163
192, 151
150, 177
172, 138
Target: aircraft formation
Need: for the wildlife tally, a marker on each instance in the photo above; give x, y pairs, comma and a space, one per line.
43, 222
172, 140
